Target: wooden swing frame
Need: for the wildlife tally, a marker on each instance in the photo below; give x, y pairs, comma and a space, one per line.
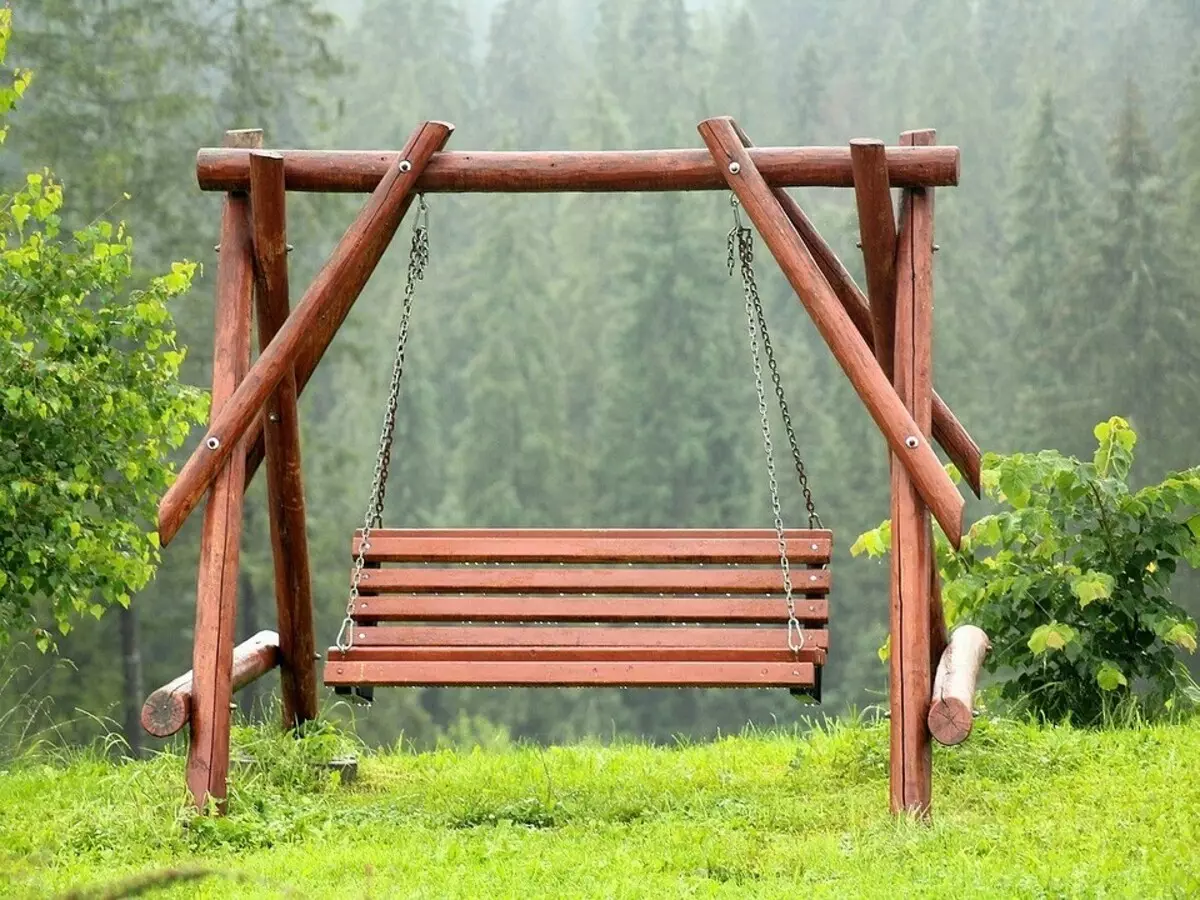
881, 339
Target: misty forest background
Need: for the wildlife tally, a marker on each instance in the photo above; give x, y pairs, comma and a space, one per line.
581, 359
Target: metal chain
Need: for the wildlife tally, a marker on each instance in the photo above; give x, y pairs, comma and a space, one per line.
741, 238
418, 259
740, 244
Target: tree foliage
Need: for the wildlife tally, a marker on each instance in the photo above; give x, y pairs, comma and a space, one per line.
90, 408
1071, 580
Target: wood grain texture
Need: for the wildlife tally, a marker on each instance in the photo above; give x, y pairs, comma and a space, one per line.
360, 171
922, 221
877, 232
308, 330
168, 709
772, 637
285, 486
912, 555
595, 546
811, 654
952, 710
597, 673
835, 326
501, 608
578, 580
221, 531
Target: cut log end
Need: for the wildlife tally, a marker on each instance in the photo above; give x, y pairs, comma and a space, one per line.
169, 708
166, 711
950, 720
951, 710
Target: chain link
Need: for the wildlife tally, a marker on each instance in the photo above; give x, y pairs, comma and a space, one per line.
740, 246
418, 259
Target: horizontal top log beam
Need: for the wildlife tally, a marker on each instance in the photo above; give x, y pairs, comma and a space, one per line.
359, 171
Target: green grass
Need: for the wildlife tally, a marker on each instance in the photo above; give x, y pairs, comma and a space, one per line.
1020, 811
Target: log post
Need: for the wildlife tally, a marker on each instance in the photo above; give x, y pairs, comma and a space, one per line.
169, 708
877, 232
912, 556
309, 330
952, 710
926, 137
915, 453
285, 486
220, 537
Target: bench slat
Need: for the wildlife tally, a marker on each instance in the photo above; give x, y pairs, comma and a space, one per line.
769, 637
506, 579
603, 546
571, 674
576, 654
484, 608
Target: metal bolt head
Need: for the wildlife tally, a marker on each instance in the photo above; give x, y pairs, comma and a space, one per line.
405, 165
735, 167
213, 443
911, 442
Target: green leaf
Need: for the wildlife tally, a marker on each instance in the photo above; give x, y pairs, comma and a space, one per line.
1182, 634
1114, 453
885, 650
1092, 586
1052, 636
1109, 677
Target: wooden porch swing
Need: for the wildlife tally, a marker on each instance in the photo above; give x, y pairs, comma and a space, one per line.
628, 607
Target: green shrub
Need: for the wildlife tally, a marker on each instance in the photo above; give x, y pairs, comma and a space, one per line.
90, 407
1071, 580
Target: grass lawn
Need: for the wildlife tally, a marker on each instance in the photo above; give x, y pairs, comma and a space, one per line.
1020, 811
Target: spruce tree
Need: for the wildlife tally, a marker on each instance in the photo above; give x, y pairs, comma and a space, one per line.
1042, 236
1137, 352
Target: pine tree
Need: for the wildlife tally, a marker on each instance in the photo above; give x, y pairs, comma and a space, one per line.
1137, 355
1044, 227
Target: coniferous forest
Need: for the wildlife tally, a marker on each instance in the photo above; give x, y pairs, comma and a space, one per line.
582, 360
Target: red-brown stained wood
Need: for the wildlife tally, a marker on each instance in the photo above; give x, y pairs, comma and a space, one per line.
572, 674
912, 545
951, 712
221, 532
594, 547
678, 636
835, 326
484, 608
168, 709
571, 580
285, 486
922, 247
568, 170
877, 231
308, 330
782, 653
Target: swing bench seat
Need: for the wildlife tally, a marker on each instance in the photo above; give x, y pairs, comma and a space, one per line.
574, 608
